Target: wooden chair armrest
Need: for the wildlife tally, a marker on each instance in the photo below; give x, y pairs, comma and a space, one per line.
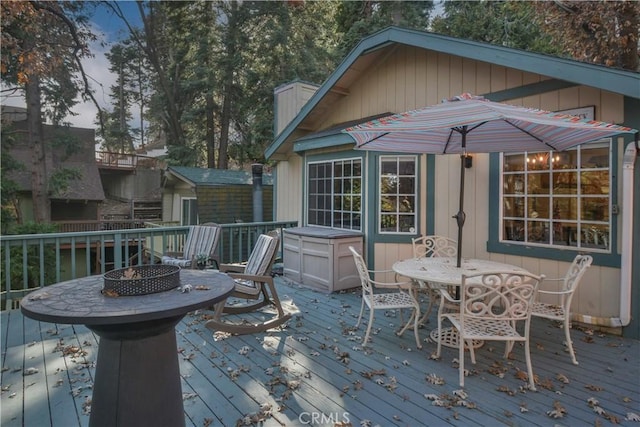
235, 268
174, 254
251, 277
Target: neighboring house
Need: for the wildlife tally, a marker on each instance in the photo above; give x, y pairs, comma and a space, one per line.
322, 181
197, 195
155, 149
65, 148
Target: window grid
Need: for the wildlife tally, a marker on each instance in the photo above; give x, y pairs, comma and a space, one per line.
397, 194
335, 194
559, 199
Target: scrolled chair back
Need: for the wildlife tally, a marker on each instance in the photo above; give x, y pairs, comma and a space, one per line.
363, 272
434, 246
499, 295
576, 270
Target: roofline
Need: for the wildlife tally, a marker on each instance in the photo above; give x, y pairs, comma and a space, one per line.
598, 76
179, 175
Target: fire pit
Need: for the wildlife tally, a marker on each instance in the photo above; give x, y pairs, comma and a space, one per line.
141, 280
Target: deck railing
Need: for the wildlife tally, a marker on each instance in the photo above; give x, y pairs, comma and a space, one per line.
36, 260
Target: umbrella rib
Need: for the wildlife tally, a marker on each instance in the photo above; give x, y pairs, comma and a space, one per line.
373, 139
444, 151
530, 134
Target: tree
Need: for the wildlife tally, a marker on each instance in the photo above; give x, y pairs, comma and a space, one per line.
8, 187
602, 32
358, 19
42, 47
130, 89
505, 23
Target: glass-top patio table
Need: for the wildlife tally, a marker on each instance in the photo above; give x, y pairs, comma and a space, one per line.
442, 272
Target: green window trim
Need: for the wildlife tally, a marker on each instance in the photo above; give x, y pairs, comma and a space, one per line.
494, 245
333, 158
373, 190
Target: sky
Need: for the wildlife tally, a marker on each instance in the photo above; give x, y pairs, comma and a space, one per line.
109, 29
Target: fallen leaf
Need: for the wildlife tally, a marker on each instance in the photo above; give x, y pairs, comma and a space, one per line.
632, 416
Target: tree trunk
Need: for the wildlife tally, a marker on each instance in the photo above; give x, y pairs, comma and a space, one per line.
175, 130
211, 131
228, 82
39, 169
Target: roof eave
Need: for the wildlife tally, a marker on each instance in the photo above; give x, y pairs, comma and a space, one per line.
609, 79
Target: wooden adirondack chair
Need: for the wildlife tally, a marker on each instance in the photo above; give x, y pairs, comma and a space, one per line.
202, 241
253, 282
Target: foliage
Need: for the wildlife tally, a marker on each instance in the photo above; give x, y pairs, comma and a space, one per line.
131, 88
505, 23
359, 19
8, 187
46, 40
37, 262
602, 32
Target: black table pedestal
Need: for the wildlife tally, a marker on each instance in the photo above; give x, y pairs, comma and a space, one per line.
137, 376
137, 382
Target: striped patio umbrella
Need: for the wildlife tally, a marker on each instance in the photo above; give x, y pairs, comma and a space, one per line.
472, 124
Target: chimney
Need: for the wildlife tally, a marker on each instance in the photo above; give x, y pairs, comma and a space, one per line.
289, 100
256, 172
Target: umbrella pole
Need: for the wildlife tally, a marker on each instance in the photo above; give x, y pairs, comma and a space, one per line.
460, 216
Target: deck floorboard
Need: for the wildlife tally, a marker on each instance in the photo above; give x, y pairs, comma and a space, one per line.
315, 371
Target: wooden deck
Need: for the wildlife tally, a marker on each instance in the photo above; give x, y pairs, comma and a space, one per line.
314, 372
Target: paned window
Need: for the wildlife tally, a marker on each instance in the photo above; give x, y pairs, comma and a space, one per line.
560, 199
334, 194
397, 195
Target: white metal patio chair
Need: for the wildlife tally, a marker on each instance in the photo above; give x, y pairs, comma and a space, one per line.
491, 306
253, 282
432, 246
400, 295
202, 241
562, 310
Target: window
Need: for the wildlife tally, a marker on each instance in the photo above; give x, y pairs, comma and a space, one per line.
189, 214
559, 199
397, 203
334, 191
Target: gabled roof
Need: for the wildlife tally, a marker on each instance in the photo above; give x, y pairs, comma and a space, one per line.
375, 48
213, 177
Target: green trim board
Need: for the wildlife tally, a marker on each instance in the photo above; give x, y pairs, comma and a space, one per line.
431, 194
322, 142
324, 157
372, 235
529, 90
632, 117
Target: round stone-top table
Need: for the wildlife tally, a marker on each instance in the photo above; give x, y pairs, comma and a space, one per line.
137, 379
444, 270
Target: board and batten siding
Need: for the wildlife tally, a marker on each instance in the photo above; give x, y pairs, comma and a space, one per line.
288, 192
411, 78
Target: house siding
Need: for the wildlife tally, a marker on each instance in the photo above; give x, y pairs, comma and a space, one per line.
412, 77
231, 203
289, 190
